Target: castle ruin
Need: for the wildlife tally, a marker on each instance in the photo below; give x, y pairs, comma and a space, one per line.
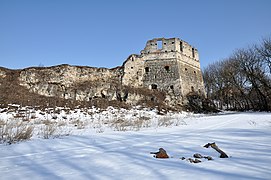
170, 65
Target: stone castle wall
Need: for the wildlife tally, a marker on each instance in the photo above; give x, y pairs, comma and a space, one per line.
169, 65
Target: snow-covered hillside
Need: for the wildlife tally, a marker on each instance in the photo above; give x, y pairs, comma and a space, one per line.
106, 152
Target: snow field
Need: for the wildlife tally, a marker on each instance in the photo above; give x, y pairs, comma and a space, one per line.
56, 122
113, 154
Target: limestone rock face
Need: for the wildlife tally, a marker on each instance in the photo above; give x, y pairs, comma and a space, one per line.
71, 82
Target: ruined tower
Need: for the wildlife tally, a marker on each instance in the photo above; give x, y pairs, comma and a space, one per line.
170, 65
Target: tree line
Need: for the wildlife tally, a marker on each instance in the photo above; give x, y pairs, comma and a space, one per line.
243, 80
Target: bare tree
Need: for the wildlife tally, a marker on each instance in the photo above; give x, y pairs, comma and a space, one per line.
265, 51
242, 81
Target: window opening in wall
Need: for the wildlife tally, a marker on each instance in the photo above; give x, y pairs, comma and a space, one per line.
192, 88
193, 52
159, 44
173, 42
171, 87
153, 86
165, 43
167, 68
147, 69
181, 46
194, 72
132, 67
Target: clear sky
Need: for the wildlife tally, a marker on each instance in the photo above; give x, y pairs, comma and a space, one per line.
103, 33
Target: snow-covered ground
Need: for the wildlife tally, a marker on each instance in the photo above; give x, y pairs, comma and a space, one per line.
103, 151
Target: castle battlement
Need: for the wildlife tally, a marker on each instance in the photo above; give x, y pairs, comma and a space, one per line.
162, 45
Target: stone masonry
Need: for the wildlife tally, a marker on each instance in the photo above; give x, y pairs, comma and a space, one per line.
170, 65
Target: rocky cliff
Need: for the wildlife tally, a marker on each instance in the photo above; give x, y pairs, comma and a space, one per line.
66, 85
72, 82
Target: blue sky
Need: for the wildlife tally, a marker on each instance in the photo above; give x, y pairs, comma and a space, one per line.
103, 33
